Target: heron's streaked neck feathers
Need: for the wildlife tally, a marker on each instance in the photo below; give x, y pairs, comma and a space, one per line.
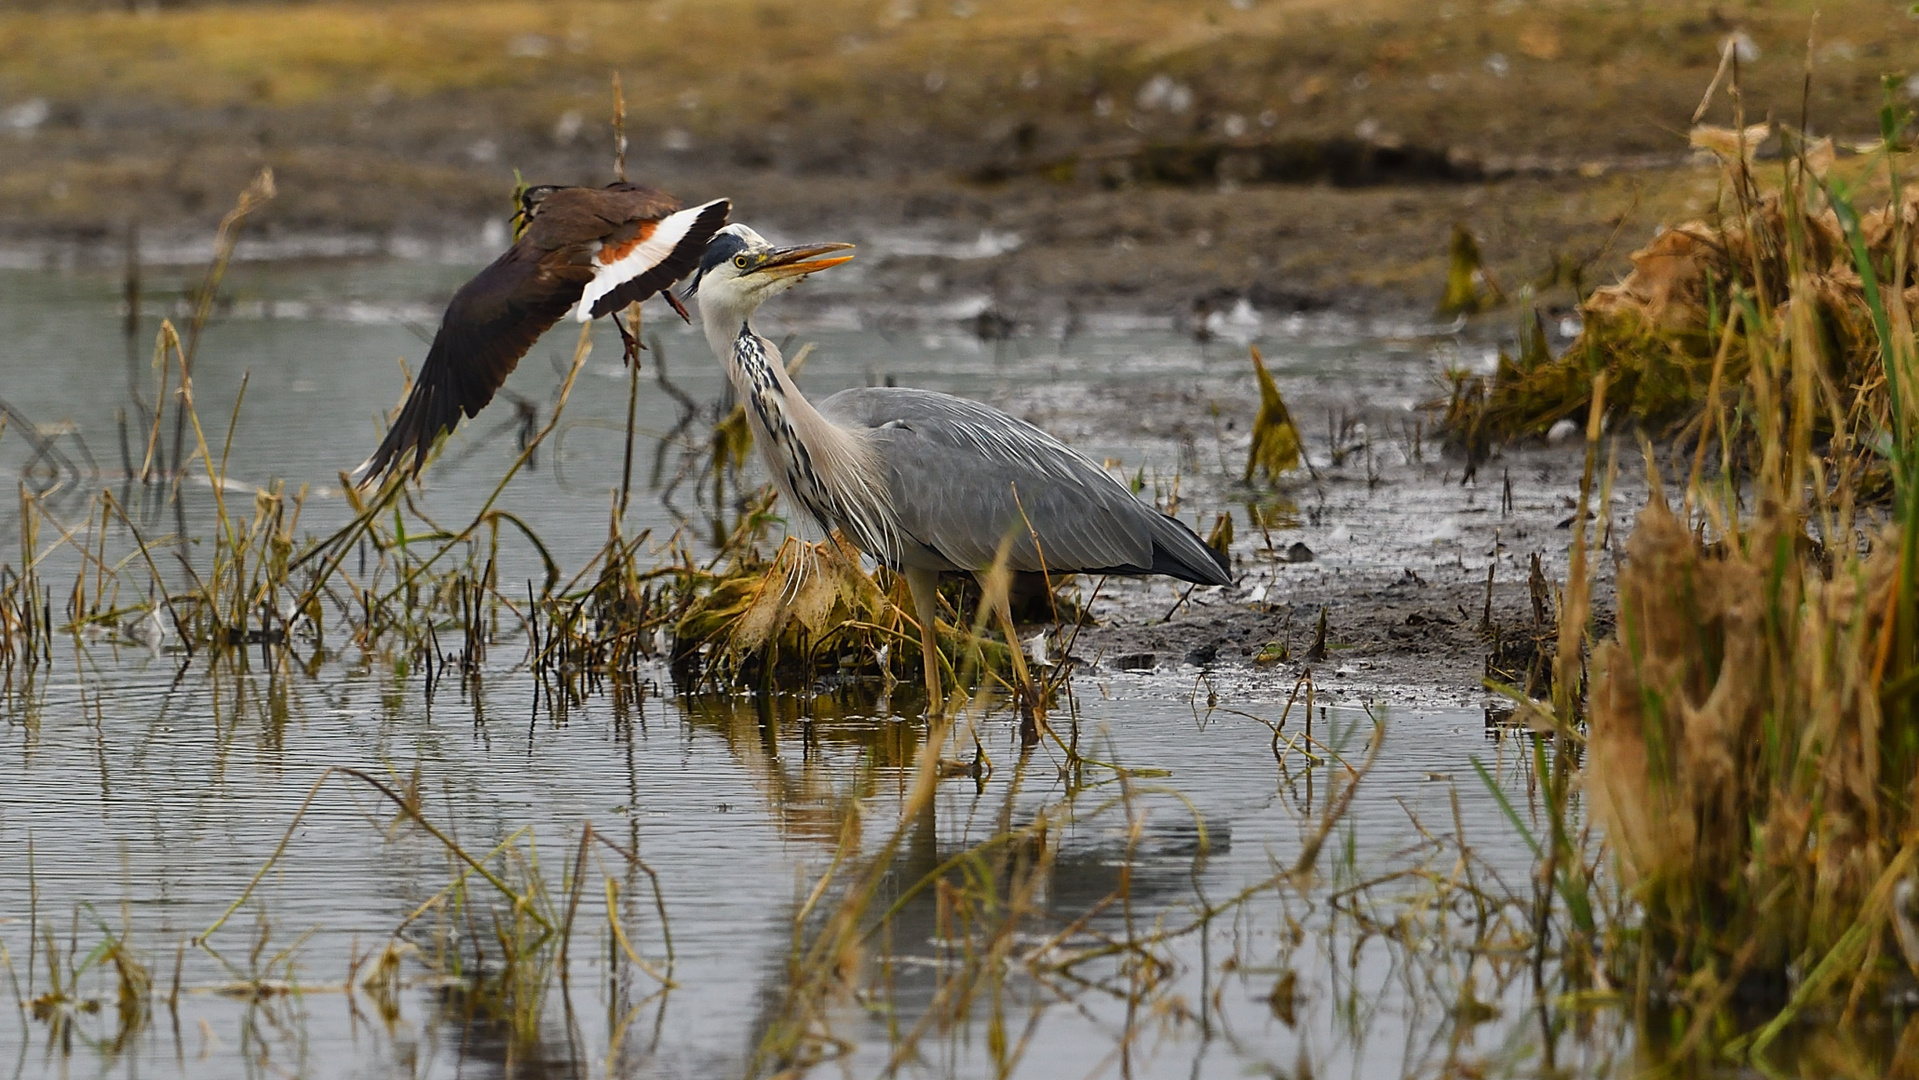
832, 472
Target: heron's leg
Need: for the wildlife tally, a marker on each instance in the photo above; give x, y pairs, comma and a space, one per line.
1032, 710
924, 584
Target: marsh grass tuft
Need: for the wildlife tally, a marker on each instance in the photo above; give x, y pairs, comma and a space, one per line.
1784, 251
1753, 734
1276, 447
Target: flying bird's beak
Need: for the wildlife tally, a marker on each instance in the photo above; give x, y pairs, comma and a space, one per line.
800, 261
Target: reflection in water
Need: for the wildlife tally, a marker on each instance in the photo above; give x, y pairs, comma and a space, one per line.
930, 924
815, 758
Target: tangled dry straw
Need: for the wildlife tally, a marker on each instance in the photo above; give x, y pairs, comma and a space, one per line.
778, 613
1758, 797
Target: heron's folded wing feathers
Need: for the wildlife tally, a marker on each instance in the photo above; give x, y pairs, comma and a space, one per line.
965, 477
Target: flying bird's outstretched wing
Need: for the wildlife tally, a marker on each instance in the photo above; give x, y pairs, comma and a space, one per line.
647, 256
492, 322
595, 249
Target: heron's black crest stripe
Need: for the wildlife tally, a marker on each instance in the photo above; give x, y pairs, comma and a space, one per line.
722, 247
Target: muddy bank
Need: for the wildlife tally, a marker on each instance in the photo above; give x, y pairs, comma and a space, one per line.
1156, 156
1422, 582
1423, 572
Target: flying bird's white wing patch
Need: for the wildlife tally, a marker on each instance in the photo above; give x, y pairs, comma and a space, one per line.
617, 266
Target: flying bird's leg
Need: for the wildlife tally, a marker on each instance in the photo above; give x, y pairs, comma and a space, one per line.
630, 340
678, 308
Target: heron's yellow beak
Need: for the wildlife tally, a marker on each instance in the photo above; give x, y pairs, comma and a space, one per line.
800, 261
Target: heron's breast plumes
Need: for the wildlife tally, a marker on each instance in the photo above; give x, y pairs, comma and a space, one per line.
835, 474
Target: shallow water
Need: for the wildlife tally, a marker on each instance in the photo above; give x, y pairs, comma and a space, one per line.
320, 349
150, 805
141, 791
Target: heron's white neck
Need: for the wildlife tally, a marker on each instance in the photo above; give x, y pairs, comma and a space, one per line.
722, 322
832, 472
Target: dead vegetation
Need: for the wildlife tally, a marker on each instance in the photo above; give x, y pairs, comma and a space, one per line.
1751, 738
1678, 338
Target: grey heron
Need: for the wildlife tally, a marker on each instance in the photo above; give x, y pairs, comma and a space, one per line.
925, 482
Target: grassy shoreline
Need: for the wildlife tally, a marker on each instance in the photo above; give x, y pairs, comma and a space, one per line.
410, 119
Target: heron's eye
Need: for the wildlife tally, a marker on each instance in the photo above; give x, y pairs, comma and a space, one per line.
739, 261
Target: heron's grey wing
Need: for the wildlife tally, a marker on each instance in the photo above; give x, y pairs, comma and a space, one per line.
965, 477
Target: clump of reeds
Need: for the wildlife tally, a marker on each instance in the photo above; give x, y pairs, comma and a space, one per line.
810, 612
1706, 298
1753, 748
779, 618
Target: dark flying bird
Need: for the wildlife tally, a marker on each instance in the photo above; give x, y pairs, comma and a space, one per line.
926, 482
588, 250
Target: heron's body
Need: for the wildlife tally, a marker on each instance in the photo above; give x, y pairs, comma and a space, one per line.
586, 250
946, 481
927, 483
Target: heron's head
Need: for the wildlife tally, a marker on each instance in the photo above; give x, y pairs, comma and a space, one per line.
740, 270
530, 200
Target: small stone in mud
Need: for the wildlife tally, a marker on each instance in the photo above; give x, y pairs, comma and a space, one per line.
1203, 655
1299, 553
1144, 661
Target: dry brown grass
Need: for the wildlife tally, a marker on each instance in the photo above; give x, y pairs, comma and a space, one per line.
1739, 749
1678, 336
1754, 742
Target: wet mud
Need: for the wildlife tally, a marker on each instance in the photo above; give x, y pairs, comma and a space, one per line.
1429, 580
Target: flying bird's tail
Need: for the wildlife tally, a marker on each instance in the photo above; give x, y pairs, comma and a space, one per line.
426, 415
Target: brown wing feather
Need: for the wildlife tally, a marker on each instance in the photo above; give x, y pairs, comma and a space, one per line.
582, 215
496, 317
489, 325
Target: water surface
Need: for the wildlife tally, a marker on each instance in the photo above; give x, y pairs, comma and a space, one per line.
142, 790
